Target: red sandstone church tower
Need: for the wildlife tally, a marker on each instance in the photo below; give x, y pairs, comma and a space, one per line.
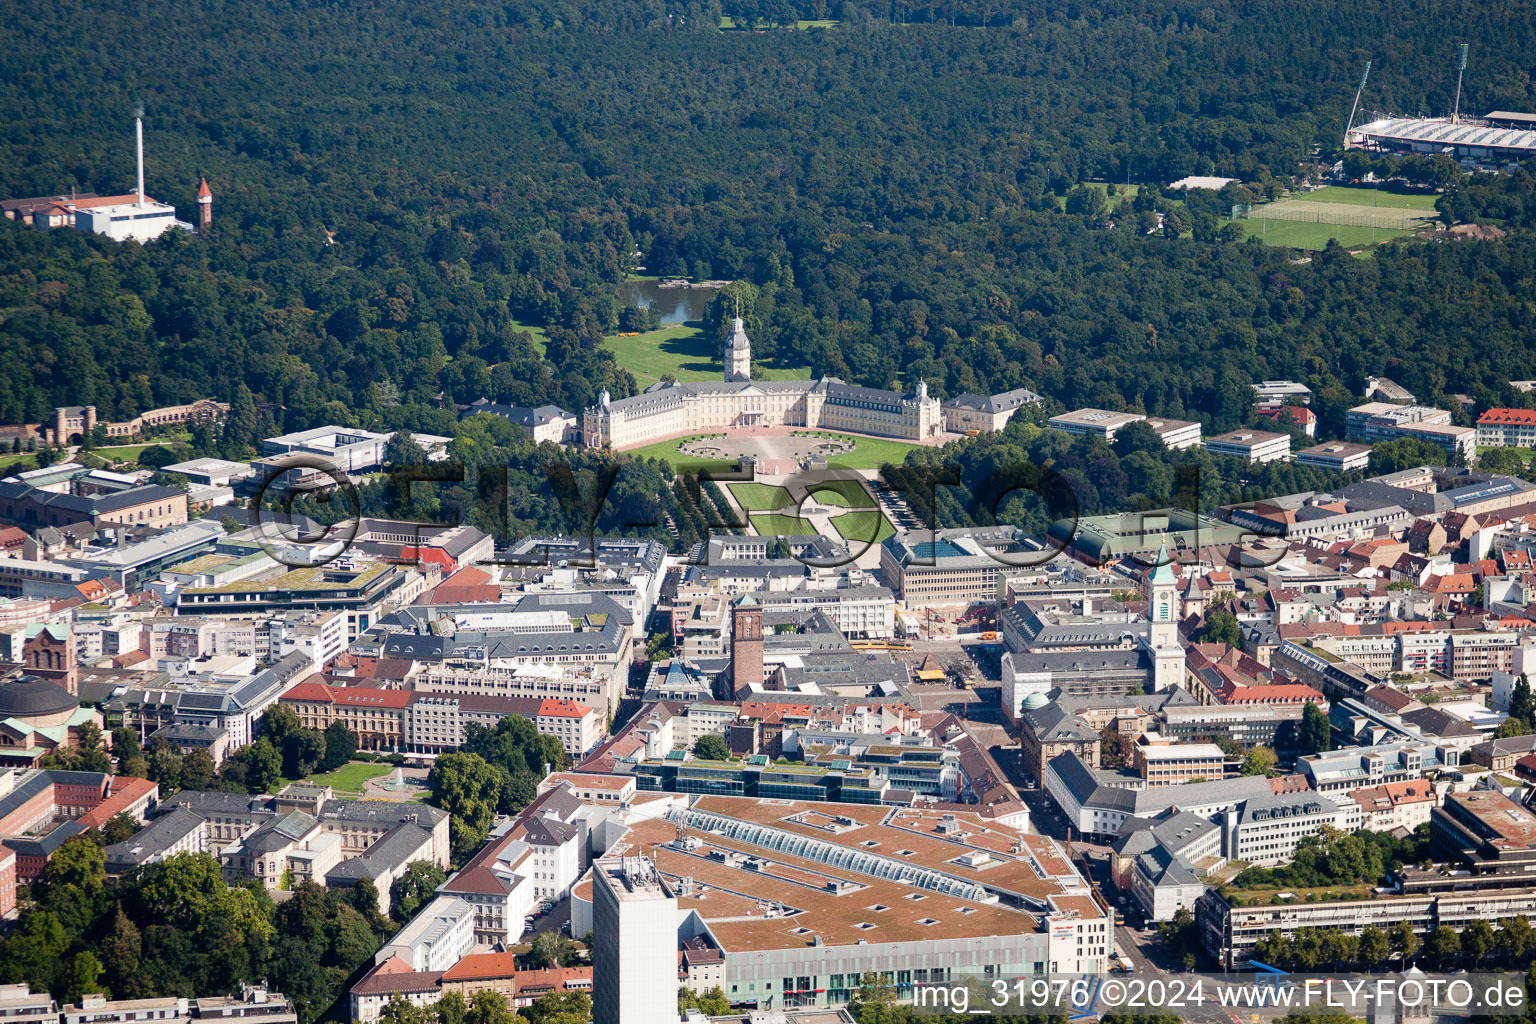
49, 653
204, 204
746, 642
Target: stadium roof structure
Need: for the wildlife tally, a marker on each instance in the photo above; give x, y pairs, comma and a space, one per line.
1432, 135
1510, 118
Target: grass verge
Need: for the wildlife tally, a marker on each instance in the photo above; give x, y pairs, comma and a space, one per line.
870, 527
761, 497
772, 525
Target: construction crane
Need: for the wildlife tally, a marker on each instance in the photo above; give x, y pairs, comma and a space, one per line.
1461, 68
1356, 107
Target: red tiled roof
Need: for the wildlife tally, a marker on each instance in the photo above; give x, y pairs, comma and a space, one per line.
309, 689
1391, 794
773, 712
126, 791
480, 966
92, 589
559, 707
1507, 416
1404, 626
445, 594
1294, 783
553, 979
1299, 414
359, 696
1460, 583
412, 553
314, 691
1283, 693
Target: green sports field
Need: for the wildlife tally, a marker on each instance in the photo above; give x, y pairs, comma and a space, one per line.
1300, 235
761, 497
1352, 196
1122, 191
863, 527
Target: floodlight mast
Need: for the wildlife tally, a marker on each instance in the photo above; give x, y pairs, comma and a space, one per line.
1460, 70
1348, 127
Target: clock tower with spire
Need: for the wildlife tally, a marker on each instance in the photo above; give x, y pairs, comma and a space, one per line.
738, 353
1161, 587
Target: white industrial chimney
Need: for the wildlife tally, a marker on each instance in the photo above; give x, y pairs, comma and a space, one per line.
138, 128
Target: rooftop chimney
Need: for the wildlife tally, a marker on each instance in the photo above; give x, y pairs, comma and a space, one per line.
138, 130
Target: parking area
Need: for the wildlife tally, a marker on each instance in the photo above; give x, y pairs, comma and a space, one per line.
557, 920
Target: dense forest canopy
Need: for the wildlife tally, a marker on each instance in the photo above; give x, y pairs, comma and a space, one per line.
890, 187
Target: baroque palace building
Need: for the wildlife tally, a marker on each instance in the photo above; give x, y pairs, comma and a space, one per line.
670, 409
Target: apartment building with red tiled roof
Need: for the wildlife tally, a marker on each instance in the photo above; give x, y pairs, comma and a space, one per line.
400, 719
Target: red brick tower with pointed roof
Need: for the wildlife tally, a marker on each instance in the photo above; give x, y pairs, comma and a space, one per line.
746, 642
204, 204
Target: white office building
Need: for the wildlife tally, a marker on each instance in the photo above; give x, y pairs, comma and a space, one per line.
1251, 445
1098, 422
441, 935
1267, 827
351, 450
137, 222
1175, 433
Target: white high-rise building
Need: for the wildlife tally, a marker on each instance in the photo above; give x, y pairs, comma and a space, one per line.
634, 932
